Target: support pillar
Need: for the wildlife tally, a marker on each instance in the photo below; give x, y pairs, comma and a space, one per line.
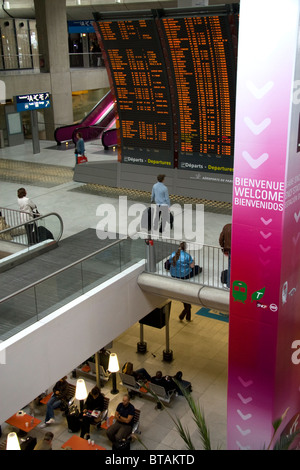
142, 345
97, 365
264, 327
51, 20
35, 131
167, 353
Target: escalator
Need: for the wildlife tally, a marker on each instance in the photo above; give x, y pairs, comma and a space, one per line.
23, 238
101, 118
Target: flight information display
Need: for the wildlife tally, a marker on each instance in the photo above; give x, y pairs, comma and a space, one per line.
203, 63
137, 71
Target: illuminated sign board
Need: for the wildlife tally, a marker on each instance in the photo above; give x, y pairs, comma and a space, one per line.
203, 65
174, 77
29, 102
141, 87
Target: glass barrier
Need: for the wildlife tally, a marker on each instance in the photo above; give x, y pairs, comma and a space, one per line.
210, 259
14, 227
39, 300
28, 306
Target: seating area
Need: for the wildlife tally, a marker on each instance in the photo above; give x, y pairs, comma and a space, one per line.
70, 395
155, 426
159, 392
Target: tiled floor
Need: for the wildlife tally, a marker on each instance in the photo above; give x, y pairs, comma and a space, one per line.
199, 348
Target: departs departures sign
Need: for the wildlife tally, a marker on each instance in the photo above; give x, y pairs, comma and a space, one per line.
140, 83
173, 74
203, 63
30, 102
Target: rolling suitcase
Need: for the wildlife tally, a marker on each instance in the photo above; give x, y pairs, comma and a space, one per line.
73, 419
146, 222
44, 234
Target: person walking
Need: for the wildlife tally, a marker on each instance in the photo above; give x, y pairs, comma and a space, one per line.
80, 147
28, 208
160, 196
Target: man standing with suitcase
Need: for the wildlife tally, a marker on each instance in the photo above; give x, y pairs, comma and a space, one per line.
160, 196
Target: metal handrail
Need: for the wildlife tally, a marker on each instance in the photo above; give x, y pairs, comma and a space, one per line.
35, 219
209, 257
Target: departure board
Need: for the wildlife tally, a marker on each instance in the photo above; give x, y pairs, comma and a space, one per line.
137, 71
203, 63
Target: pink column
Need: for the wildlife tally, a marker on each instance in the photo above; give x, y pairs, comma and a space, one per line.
264, 377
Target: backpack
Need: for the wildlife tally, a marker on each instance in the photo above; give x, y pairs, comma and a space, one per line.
224, 276
127, 368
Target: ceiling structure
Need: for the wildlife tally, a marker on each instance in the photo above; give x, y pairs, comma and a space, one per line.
83, 9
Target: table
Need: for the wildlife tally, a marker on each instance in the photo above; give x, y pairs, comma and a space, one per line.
45, 400
19, 421
78, 443
106, 425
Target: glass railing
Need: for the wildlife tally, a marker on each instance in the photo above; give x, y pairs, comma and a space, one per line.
12, 62
33, 303
210, 259
19, 229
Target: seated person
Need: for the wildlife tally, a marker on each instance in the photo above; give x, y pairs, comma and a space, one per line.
94, 401
182, 265
187, 386
124, 415
139, 374
46, 443
142, 375
60, 390
165, 381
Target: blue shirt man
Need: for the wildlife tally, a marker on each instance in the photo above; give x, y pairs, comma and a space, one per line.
160, 194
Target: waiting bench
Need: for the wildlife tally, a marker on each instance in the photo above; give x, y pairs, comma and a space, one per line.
71, 389
132, 385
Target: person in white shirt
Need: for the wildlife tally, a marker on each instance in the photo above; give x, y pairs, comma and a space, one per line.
27, 207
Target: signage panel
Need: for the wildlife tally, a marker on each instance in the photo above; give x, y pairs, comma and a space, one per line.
263, 380
140, 83
29, 102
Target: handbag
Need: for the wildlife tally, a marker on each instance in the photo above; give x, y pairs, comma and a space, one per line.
81, 159
167, 265
35, 213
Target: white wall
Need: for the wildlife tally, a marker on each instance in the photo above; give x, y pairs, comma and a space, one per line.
85, 79
37, 357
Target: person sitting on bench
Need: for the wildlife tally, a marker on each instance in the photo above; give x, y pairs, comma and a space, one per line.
164, 381
181, 384
94, 401
60, 390
140, 374
124, 415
